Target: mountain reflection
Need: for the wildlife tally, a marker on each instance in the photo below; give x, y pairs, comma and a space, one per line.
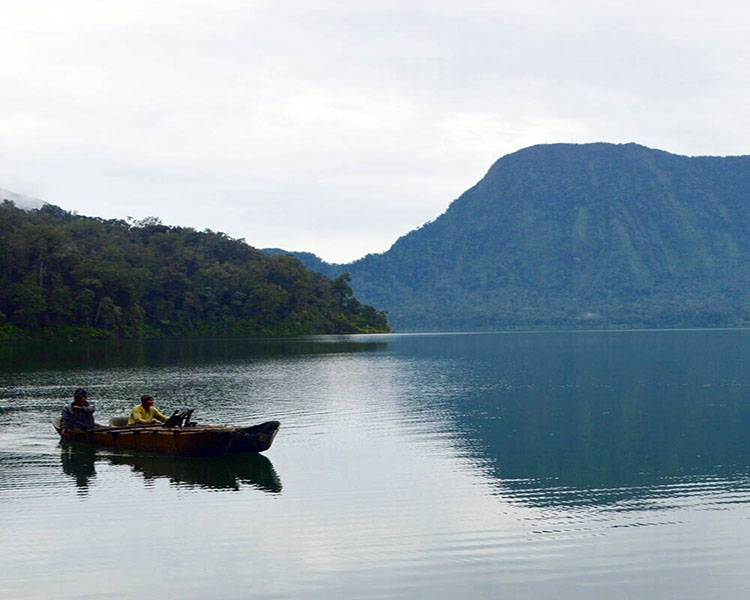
581, 452
566, 419
228, 472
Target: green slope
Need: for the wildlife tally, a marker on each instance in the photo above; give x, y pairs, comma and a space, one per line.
576, 235
62, 275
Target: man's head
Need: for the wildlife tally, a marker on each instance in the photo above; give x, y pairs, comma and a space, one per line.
79, 396
147, 400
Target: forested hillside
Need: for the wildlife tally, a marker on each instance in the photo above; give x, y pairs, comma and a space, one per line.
63, 275
592, 235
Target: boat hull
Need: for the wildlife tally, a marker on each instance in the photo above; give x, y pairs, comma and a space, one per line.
191, 441
256, 438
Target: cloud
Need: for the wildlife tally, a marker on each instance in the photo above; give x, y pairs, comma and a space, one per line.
365, 119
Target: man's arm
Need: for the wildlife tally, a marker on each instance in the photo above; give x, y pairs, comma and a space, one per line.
158, 415
91, 408
65, 419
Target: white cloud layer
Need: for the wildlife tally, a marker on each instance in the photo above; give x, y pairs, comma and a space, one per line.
335, 127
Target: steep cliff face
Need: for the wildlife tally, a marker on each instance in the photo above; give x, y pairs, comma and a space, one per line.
593, 234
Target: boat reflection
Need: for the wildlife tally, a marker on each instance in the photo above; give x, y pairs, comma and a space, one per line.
230, 472
78, 461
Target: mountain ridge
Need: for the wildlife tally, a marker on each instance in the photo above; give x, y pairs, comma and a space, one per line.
574, 235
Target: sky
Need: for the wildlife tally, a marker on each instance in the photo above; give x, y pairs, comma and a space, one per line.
336, 127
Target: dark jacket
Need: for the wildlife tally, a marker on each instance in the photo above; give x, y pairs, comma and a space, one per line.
82, 417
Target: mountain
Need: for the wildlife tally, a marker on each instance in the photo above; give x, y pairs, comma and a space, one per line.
68, 276
568, 235
21, 201
310, 260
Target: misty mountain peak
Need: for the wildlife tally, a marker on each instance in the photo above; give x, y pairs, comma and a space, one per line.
20, 200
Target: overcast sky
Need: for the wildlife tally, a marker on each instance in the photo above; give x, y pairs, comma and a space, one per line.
336, 127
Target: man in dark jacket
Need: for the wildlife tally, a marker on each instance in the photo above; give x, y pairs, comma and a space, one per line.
78, 414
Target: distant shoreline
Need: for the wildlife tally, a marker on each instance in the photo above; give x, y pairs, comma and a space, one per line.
290, 337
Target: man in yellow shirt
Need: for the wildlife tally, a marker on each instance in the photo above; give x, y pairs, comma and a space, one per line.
145, 413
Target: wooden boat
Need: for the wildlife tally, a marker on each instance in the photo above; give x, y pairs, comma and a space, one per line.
185, 439
256, 438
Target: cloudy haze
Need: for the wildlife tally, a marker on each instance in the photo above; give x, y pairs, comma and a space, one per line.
335, 127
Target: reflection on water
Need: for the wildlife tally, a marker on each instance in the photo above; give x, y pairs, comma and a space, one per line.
225, 472
621, 449
134, 353
597, 418
78, 461
546, 465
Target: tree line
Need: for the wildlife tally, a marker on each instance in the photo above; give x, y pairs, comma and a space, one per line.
68, 276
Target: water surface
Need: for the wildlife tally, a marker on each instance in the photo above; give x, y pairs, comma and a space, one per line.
520, 465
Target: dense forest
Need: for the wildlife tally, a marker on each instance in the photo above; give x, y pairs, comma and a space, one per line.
565, 235
68, 276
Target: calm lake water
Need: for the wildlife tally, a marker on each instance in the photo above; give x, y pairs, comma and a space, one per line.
520, 465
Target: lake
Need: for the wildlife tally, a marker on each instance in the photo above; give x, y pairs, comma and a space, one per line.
566, 465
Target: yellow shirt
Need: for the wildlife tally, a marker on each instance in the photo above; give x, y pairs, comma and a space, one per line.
141, 415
